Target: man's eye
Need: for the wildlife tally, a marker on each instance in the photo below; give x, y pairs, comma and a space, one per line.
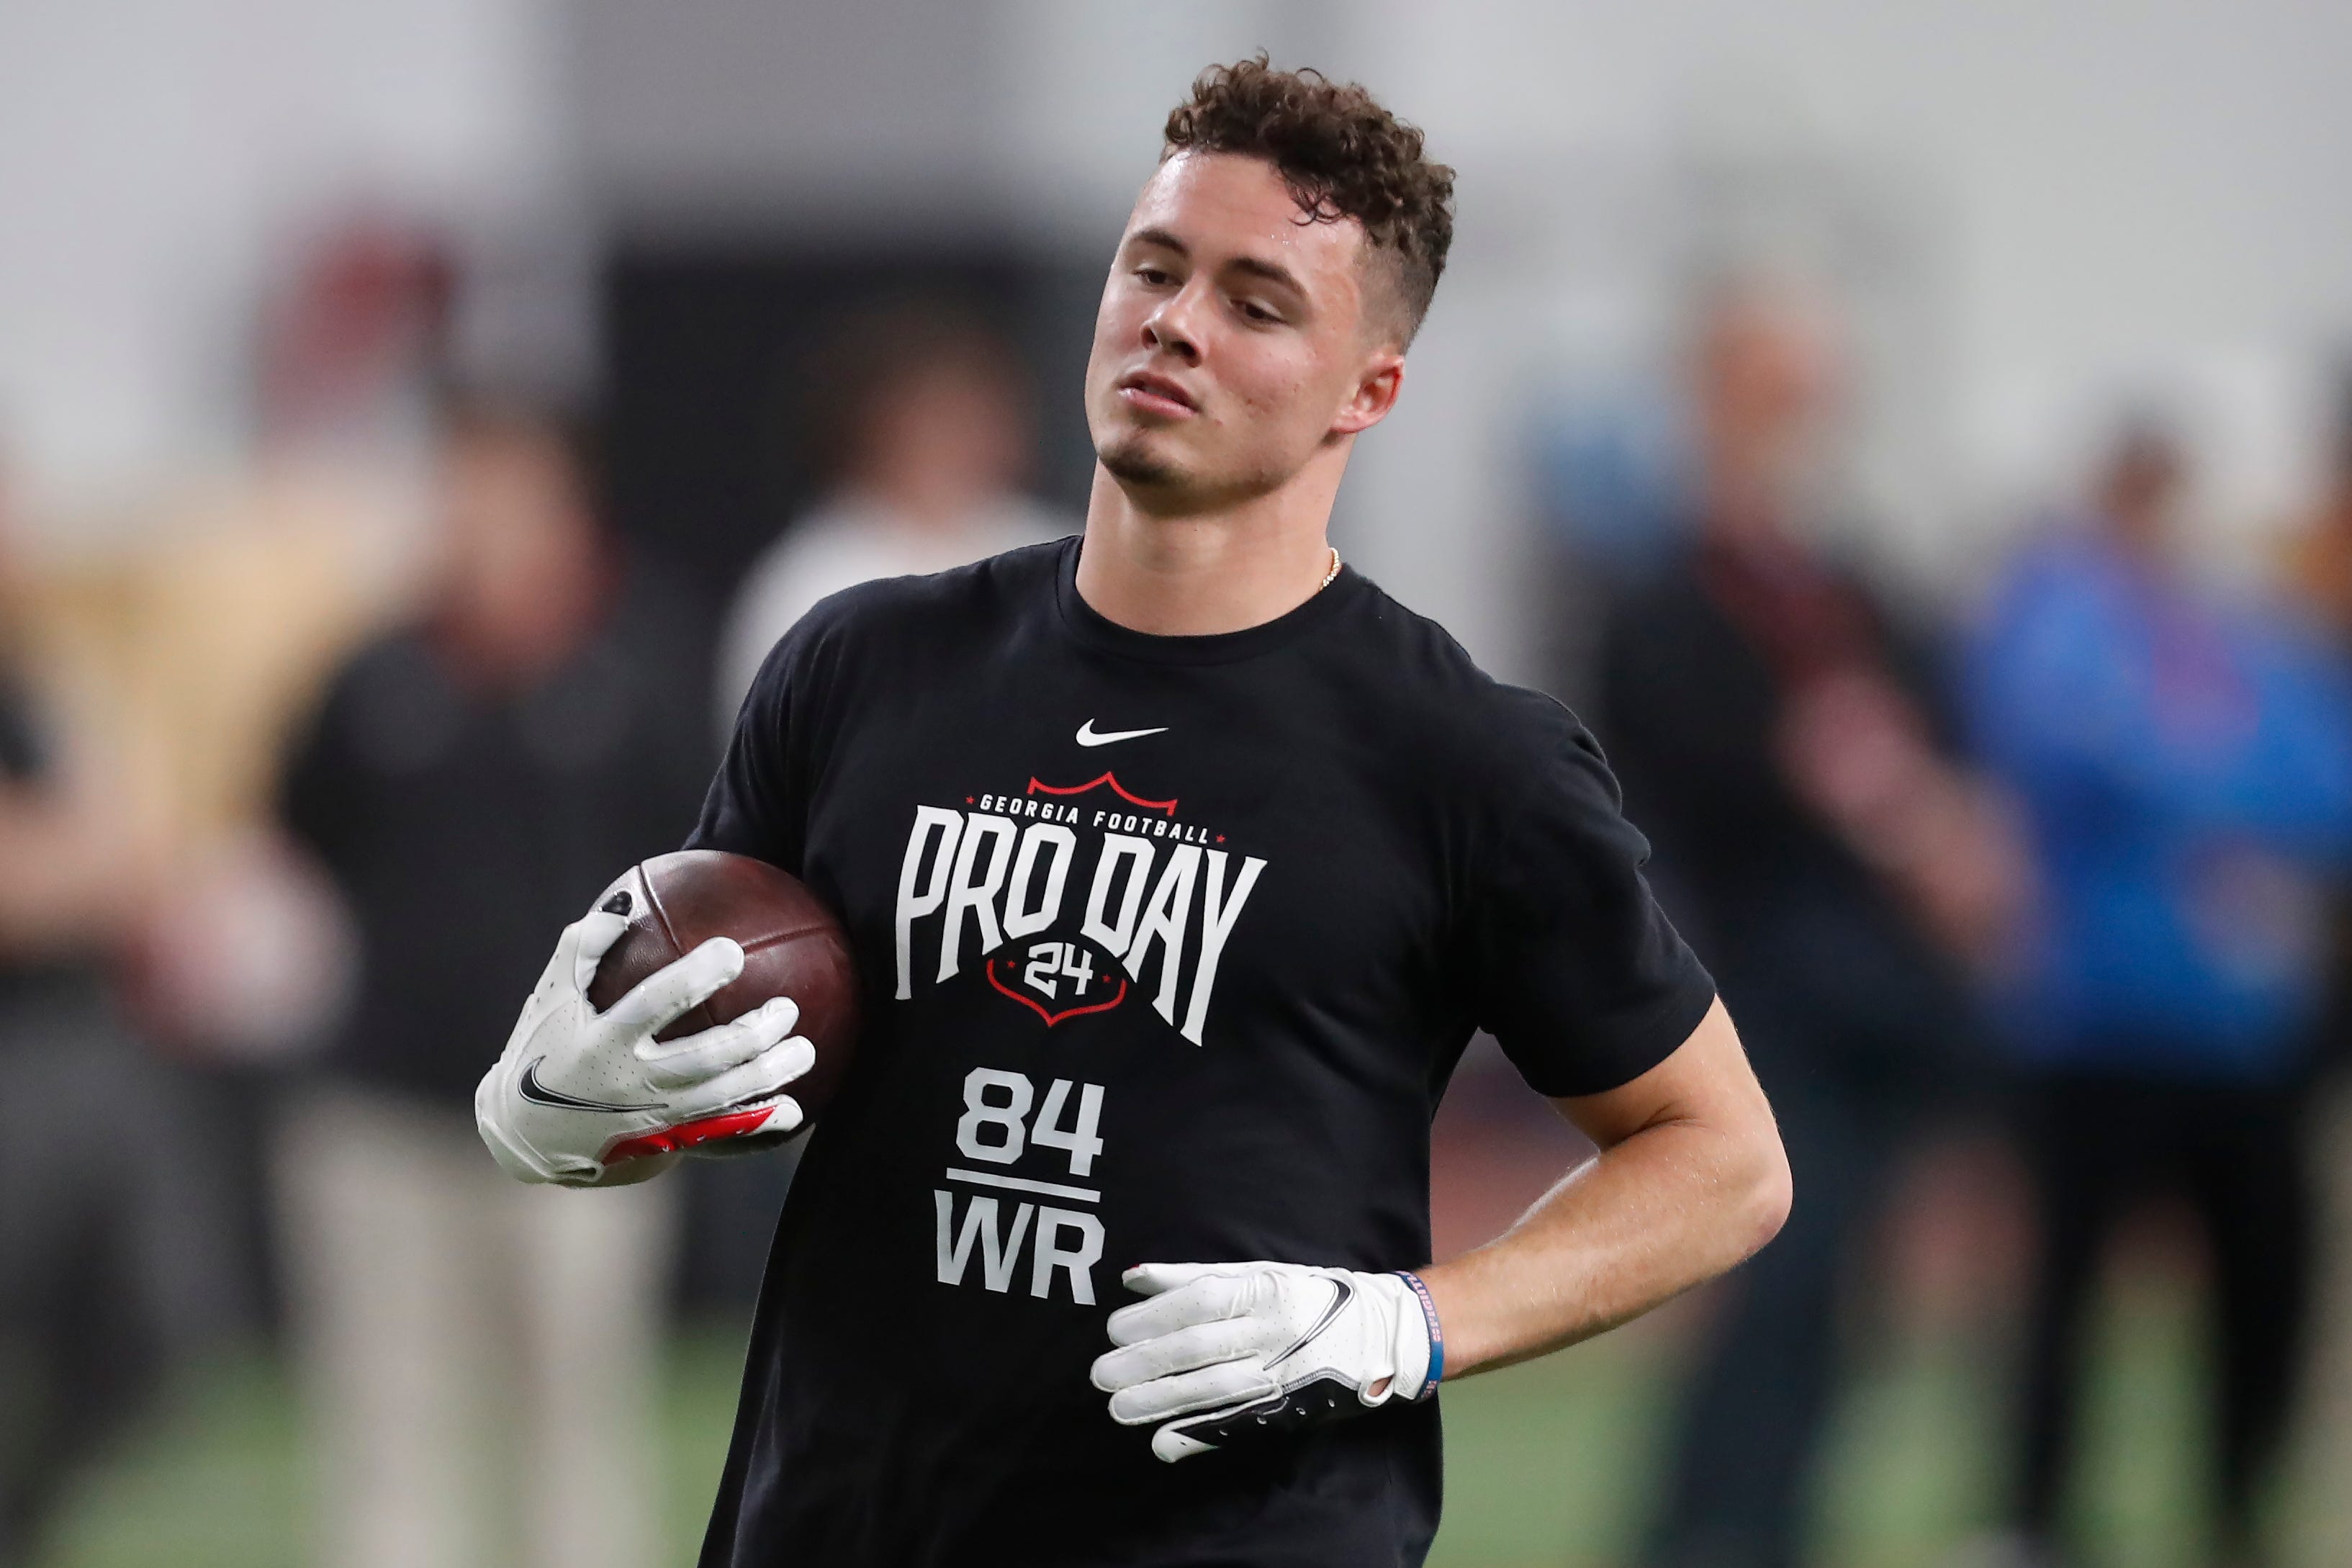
1153, 276
1258, 312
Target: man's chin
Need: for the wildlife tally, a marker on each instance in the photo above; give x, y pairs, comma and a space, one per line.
1137, 467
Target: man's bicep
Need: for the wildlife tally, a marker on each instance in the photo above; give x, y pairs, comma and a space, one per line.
1707, 1078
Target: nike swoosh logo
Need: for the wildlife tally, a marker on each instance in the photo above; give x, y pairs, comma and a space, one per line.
538, 1093
1343, 1293
1089, 736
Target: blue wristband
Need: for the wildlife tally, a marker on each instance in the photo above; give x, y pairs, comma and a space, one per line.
1436, 1335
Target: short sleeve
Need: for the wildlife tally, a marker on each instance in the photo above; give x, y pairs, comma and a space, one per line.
753, 806
1574, 969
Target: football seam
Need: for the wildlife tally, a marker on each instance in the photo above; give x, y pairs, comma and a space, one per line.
669, 933
653, 896
772, 938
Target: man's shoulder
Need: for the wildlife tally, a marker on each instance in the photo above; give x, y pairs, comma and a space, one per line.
1010, 582
1435, 698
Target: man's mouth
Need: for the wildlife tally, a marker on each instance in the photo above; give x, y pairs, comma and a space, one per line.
1148, 394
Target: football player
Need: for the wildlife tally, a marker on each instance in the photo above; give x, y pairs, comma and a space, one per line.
1181, 862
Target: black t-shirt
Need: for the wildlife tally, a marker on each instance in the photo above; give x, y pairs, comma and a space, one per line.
462, 826
1168, 947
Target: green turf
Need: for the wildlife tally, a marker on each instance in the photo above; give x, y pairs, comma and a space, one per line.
1547, 1464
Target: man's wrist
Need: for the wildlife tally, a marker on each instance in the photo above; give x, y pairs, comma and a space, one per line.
1437, 1365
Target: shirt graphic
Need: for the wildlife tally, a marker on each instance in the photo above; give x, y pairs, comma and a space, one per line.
1067, 895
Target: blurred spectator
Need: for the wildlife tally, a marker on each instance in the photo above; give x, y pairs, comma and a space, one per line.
2322, 574
277, 573
1775, 729
2185, 767
915, 419
97, 1290
918, 423
468, 784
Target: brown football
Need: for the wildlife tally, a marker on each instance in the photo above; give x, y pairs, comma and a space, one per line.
792, 946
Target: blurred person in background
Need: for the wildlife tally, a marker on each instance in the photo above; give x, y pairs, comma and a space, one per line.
2186, 770
2321, 571
918, 423
916, 418
154, 946
213, 635
98, 1291
1777, 730
467, 781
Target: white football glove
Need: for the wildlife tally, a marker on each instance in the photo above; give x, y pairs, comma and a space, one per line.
587, 1099
1226, 1351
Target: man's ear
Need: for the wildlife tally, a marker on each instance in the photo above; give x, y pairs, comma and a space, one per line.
1377, 390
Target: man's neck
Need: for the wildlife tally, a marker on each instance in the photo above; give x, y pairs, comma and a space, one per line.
1201, 574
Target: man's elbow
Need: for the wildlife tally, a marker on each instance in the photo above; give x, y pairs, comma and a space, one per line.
1770, 1190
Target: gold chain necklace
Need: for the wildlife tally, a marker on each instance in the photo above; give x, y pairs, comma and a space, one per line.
1332, 575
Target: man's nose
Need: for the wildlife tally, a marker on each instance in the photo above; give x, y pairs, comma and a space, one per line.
1172, 327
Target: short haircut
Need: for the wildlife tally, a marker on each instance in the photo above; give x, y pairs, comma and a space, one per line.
1343, 156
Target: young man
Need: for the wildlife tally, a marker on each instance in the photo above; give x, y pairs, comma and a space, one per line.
1182, 863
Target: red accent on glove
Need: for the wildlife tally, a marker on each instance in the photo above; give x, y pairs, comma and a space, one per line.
669, 1140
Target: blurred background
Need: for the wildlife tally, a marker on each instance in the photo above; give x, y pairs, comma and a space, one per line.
1917, 437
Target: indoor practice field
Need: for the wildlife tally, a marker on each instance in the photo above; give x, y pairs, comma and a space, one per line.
1547, 1464
914, 681
1544, 1463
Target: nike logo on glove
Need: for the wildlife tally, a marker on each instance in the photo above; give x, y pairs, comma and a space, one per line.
1342, 1294
1089, 736
531, 1089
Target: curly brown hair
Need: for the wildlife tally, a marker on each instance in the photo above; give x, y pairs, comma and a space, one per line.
1342, 155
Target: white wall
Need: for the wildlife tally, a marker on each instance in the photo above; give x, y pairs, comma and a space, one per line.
2110, 195
151, 151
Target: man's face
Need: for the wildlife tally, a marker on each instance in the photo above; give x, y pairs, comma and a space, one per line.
1232, 343
514, 521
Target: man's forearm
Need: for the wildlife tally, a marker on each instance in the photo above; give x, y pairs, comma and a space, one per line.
1658, 1211
1624, 1231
